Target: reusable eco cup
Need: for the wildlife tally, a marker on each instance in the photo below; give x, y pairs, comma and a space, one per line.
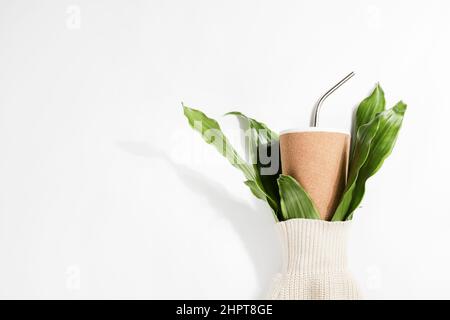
318, 159
314, 265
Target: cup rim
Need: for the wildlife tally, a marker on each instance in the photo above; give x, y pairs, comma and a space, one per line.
314, 129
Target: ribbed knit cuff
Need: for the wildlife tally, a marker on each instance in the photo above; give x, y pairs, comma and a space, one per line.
313, 246
314, 261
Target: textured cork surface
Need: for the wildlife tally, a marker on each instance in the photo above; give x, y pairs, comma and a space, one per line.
318, 161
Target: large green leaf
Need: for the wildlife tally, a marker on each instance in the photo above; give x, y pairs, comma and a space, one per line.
375, 134
255, 190
268, 176
262, 140
370, 107
295, 202
367, 110
264, 133
364, 138
381, 147
212, 134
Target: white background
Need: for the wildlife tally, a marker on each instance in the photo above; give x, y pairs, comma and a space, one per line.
105, 192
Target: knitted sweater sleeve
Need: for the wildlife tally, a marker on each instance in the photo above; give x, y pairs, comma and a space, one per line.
314, 261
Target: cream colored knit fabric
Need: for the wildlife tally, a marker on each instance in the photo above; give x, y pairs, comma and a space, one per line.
314, 261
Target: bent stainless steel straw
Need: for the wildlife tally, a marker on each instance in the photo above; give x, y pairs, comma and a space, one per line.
326, 94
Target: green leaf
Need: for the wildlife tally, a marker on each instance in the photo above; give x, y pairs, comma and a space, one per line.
260, 195
364, 137
295, 202
264, 133
212, 134
263, 139
368, 109
255, 190
269, 178
381, 147
376, 131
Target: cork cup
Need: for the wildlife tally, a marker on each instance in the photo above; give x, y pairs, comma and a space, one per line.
318, 159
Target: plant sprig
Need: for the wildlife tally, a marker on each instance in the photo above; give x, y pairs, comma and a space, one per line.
375, 133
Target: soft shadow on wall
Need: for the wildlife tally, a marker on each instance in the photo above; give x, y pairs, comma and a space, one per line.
256, 233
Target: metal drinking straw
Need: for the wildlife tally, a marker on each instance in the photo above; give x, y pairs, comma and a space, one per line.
326, 94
